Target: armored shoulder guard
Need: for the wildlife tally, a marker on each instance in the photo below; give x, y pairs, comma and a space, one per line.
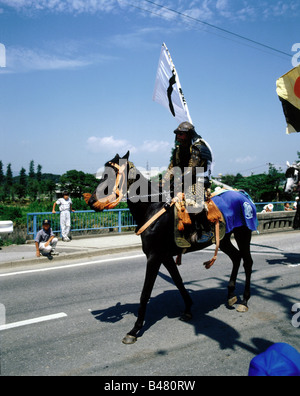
203, 151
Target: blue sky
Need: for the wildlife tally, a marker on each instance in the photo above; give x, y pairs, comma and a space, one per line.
80, 77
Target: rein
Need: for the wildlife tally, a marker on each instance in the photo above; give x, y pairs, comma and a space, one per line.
182, 213
117, 195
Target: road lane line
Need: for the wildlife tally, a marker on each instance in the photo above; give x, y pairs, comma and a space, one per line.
70, 266
33, 321
48, 269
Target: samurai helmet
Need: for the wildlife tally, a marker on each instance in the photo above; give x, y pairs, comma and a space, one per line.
185, 127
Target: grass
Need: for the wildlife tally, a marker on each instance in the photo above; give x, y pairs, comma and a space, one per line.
18, 237
17, 213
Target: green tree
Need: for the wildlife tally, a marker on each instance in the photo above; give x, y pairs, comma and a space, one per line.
21, 187
39, 173
39, 176
9, 182
33, 186
50, 187
2, 177
31, 173
78, 182
2, 182
264, 187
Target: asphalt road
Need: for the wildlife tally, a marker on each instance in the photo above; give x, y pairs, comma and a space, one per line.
82, 310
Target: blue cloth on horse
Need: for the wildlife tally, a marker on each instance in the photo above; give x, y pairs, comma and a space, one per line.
280, 360
238, 210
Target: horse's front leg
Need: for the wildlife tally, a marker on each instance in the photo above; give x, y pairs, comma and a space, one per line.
153, 265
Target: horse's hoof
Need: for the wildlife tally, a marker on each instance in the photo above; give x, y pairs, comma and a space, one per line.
129, 340
242, 308
186, 317
232, 301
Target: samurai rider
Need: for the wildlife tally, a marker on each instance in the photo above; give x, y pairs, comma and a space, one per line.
192, 152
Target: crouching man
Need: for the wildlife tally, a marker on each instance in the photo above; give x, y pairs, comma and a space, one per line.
45, 241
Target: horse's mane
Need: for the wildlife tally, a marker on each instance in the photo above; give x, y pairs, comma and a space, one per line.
150, 188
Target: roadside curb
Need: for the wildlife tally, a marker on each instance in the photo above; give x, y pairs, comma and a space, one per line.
71, 256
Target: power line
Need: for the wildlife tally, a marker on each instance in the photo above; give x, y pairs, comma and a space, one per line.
183, 15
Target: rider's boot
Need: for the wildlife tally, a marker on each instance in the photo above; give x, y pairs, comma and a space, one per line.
203, 232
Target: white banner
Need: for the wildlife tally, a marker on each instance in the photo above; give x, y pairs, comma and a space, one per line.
168, 90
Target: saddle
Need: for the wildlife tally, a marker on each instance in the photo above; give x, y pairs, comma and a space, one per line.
184, 227
183, 230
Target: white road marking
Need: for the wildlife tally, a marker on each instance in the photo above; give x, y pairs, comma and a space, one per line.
48, 269
71, 266
33, 321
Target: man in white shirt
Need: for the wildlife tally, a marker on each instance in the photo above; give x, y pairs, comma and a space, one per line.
65, 207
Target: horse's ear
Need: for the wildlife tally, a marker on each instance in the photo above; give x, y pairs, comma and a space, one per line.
288, 164
126, 156
116, 159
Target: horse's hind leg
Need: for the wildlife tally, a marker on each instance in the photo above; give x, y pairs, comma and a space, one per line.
243, 238
171, 266
227, 247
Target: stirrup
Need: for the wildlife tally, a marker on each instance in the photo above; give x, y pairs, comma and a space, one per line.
206, 237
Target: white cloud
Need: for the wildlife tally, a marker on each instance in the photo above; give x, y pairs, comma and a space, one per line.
245, 160
111, 145
22, 59
154, 146
70, 6
221, 4
28, 59
206, 10
108, 145
209, 10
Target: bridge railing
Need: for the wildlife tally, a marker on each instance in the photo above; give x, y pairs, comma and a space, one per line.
275, 222
81, 221
121, 219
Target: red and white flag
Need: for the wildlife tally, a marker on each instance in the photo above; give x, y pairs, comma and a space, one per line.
288, 90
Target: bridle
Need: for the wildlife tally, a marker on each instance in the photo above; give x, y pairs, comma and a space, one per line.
113, 200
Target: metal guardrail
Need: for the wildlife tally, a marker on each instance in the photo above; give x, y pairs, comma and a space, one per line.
120, 219
85, 220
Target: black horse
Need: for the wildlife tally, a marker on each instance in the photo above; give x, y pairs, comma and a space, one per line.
158, 240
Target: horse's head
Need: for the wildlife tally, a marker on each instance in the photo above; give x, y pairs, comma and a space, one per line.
292, 176
110, 190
